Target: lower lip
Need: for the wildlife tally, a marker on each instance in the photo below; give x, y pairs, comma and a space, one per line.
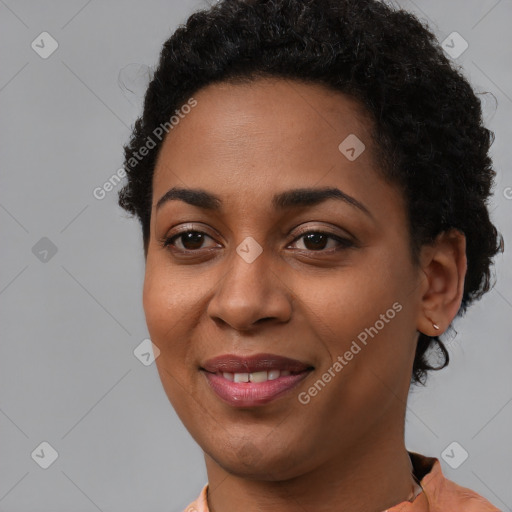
250, 394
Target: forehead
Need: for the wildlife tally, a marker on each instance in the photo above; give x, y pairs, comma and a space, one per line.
270, 134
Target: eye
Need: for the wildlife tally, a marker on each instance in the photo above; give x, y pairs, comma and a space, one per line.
191, 240
317, 240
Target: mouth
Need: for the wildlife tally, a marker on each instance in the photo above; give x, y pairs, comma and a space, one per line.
248, 381
232, 363
261, 376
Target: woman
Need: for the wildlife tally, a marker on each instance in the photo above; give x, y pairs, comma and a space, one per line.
312, 194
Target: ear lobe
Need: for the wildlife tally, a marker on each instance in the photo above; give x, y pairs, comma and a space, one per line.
444, 264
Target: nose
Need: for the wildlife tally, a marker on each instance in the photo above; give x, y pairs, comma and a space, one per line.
250, 294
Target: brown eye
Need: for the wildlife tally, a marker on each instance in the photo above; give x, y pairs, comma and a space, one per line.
315, 241
190, 240
318, 240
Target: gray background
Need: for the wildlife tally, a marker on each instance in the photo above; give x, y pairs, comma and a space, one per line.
71, 320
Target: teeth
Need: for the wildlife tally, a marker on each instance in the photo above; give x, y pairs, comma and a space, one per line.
255, 376
273, 374
258, 376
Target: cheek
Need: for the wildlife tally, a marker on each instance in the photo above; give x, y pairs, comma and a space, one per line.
166, 303
157, 305
173, 312
168, 322
166, 318
365, 315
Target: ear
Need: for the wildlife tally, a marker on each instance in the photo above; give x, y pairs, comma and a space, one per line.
444, 265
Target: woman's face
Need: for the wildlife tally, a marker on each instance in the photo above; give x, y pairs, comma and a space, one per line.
252, 282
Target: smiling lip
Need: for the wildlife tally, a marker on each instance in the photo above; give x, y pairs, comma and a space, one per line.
250, 394
259, 362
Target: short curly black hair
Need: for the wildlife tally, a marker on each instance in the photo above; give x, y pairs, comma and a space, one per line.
427, 128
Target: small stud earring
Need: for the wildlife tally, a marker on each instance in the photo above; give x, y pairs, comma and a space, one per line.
436, 327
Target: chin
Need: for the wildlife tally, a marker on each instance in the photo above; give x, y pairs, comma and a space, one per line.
249, 461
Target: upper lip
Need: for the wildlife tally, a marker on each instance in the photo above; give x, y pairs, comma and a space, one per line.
247, 364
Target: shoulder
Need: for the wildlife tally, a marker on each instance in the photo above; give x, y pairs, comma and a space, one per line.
444, 494
200, 504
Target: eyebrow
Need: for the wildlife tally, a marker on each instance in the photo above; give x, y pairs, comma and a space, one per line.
284, 200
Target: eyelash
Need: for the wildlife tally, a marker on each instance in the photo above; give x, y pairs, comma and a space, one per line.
345, 243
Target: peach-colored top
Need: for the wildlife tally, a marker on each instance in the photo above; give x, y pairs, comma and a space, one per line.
435, 494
